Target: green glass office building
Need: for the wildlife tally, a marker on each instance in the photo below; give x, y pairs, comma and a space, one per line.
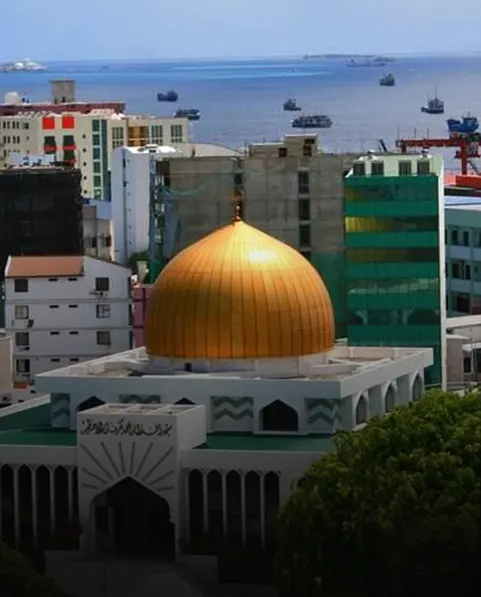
395, 254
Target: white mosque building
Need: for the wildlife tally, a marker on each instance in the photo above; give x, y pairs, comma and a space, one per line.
202, 433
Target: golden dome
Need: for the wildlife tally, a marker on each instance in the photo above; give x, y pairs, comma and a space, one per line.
238, 294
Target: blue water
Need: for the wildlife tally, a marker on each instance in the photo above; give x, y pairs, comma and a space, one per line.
241, 101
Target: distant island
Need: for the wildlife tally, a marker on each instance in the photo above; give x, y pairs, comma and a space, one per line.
25, 65
347, 57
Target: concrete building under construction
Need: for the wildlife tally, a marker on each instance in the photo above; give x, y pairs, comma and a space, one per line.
290, 189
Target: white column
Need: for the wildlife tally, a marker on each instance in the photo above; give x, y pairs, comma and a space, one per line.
70, 492
187, 505
51, 471
243, 505
33, 472
263, 509
224, 503
16, 506
205, 501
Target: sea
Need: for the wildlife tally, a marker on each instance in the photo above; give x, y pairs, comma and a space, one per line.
241, 100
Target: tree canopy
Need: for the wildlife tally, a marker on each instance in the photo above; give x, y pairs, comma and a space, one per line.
18, 579
393, 510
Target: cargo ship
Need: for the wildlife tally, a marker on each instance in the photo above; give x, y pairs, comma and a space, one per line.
170, 96
317, 121
433, 106
387, 81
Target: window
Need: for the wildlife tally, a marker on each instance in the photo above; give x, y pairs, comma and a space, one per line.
97, 181
102, 284
73, 306
307, 151
454, 237
462, 303
176, 133
53, 279
466, 238
156, 134
238, 181
424, 167
74, 360
55, 360
303, 183
103, 311
96, 140
305, 235
54, 333
53, 306
73, 333
461, 270
21, 285
97, 168
95, 126
22, 339
361, 411
282, 152
21, 311
278, 416
72, 279
22, 365
96, 153
405, 168
103, 338
377, 168
304, 209
107, 241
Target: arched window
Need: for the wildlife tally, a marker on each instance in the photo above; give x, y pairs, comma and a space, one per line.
418, 388
184, 401
361, 410
389, 399
91, 402
278, 416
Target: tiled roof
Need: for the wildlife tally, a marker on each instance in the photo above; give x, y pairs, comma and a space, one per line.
44, 267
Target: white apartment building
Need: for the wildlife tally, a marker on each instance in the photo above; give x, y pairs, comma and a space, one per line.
86, 140
64, 310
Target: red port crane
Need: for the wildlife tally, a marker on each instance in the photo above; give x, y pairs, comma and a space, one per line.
467, 147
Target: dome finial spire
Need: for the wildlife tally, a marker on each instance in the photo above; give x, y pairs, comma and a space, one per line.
238, 207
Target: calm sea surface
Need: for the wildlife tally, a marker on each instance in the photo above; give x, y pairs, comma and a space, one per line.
241, 101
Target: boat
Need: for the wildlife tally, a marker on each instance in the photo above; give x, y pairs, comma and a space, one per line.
291, 106
25, 65
170, 96
433, 106
387, 81
316, 121
190, 114
465, 126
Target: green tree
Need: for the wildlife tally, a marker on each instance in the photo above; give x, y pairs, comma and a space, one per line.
135, 257
18, 579
393, 510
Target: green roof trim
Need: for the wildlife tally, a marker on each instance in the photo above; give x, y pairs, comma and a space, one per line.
268, 443
31, 427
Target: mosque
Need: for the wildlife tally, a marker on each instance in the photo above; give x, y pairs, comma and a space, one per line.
201, 434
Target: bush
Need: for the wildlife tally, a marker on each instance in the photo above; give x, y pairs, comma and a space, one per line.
18, 579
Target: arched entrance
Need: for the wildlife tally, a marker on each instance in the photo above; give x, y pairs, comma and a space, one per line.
134, 521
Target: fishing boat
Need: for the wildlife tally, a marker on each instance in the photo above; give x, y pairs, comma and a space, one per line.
316, 121
433, 106
387, 81
190, 114
291, 106
465, 126
170, 96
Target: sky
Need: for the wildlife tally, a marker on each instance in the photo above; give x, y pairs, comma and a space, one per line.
160, 29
